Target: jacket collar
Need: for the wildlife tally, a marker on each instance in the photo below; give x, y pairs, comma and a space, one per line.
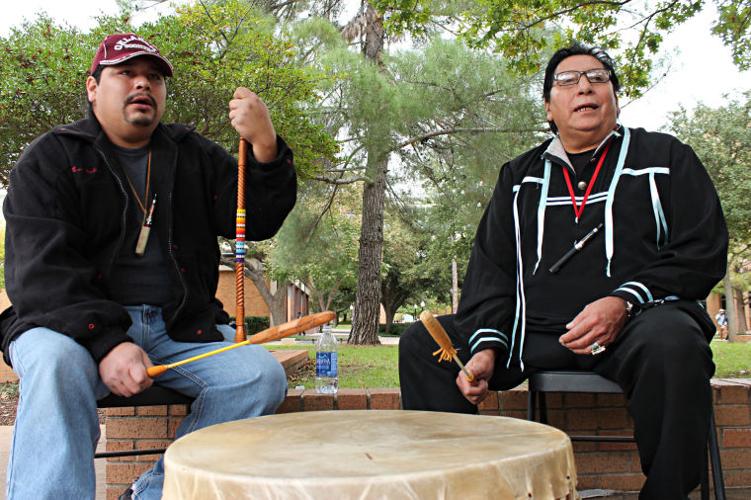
90, 130
557, 154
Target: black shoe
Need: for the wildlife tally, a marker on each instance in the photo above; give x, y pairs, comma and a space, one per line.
126, 495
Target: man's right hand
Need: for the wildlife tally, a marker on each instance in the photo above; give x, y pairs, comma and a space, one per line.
481, 365
123, 370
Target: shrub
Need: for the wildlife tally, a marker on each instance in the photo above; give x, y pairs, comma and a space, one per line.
396, 329
253, 324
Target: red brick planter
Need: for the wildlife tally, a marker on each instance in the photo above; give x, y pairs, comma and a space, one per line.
599, 465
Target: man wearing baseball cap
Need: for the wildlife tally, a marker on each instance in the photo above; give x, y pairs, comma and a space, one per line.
112, 264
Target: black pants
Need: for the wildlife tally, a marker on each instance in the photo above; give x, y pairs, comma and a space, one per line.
661, 360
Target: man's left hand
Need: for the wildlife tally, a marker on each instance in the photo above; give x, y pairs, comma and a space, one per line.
600, 321
249, 115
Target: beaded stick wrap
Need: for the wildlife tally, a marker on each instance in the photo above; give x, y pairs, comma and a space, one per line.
240, 248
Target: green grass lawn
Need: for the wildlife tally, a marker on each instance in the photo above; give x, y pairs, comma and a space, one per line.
359, 366
733, 360
376, 366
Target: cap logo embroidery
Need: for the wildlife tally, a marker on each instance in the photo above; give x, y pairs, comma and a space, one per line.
134, 42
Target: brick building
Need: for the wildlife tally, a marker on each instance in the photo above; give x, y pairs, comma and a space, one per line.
716, 301
297, 299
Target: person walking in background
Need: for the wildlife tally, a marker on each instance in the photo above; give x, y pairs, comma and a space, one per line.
722, 324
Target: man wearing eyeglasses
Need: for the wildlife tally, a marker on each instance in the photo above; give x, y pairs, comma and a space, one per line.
592, 255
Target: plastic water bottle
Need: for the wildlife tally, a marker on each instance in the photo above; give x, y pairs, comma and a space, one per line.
327, 374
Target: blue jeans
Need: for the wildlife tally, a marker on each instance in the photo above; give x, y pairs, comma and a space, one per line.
57, 428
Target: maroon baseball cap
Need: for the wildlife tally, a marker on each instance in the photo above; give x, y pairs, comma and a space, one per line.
120, 47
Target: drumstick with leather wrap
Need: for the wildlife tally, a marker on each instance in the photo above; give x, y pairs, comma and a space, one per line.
268, 335
447, 350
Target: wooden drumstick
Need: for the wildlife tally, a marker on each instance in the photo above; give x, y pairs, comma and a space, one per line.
447, 350
267, 335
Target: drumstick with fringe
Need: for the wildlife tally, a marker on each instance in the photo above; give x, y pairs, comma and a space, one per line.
268, 335
447, 351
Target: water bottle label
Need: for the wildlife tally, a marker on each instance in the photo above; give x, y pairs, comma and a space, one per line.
326, 364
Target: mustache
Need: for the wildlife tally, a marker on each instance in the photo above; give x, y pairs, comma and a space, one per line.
131, 98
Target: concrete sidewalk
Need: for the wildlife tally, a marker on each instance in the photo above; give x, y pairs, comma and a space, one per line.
6, 436
341, 336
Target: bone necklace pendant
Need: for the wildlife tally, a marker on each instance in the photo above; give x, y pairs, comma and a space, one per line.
143, 235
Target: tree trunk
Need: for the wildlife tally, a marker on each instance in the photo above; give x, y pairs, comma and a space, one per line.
278, 307
390, 313
275, 302
740, 312
368, 297
730, 309
392, 298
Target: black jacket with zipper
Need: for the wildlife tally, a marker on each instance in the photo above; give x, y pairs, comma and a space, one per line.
65, 212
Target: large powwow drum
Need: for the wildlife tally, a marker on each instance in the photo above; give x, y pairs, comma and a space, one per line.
372, 454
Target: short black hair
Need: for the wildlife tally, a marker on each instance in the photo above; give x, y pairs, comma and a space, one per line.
577, 49
97, 75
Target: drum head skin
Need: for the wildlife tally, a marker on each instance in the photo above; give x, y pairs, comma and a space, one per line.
376, 454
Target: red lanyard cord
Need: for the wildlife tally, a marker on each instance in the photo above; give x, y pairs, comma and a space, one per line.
579, 209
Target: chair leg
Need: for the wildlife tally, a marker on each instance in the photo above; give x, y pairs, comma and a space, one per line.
531, 396
714, 454
543, 409
705, 476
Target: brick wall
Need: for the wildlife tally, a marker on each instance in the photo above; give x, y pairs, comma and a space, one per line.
6, 373
136, 429
599, 465
152, 427
616, 465
225, 292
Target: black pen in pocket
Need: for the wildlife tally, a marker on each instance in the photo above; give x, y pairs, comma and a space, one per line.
578, 245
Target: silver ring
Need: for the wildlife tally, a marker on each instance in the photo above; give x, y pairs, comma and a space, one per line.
597, 348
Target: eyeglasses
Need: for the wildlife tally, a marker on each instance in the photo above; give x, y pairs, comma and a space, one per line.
566, 78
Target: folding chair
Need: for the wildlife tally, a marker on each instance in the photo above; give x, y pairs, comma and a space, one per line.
583, 381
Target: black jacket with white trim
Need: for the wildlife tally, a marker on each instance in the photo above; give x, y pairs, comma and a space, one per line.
664, 238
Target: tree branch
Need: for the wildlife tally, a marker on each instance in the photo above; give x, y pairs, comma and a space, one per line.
553, 15
341, 181
325, 210
459, 130
256, 276
208, 14
343, 170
